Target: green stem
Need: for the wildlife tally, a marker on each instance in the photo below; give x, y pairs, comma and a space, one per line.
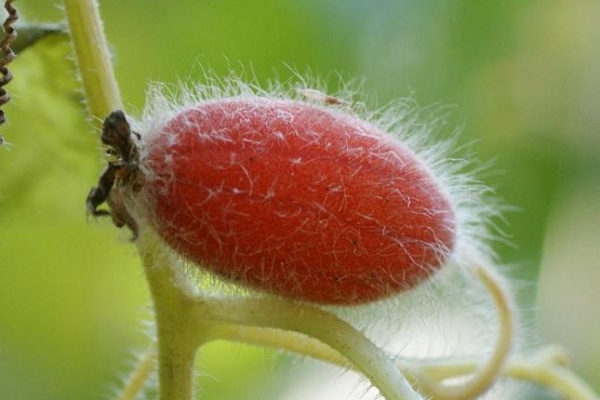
311, 321
178, 334
176, 348
93, 58
544, 371
138, 377
292, 342
486, 376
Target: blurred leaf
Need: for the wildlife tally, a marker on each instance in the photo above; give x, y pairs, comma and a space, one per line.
51, 142
567, 303
29, 34
70, 296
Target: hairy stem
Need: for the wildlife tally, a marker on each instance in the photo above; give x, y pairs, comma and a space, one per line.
549, 368
293, 342
178, 334
93, 58
311, 321
546, 369
138, 377
484, 377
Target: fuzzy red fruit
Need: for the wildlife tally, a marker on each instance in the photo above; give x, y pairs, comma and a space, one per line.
296, 200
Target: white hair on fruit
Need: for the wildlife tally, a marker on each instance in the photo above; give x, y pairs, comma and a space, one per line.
473, 202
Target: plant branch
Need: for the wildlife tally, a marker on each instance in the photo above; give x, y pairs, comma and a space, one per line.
93, 58
138, 377
311, 321
548, 368
178, 335
292, 342
484, 377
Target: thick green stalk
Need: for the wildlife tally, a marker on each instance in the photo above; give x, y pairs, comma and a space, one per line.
93, 58
178, 334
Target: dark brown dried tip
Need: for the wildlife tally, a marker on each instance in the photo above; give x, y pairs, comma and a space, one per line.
120, 173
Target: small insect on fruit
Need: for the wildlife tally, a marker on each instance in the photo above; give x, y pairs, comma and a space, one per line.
290, 198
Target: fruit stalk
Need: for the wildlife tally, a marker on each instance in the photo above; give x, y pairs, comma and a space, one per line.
178, 334
309, 320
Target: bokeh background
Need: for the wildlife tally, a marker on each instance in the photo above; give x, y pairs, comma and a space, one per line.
522, 81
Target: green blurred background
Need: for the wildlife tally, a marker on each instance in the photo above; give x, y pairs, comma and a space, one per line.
522, 79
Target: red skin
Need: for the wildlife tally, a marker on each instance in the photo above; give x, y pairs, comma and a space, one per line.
297, 200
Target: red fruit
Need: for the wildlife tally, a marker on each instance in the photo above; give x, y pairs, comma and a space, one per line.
296, 200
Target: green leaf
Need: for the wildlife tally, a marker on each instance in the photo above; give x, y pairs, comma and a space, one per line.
64, 327
29, 34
